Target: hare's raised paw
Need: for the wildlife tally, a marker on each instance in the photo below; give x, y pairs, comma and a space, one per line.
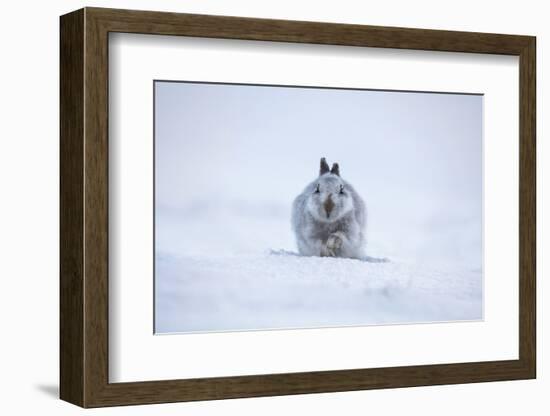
334, 245
328, 251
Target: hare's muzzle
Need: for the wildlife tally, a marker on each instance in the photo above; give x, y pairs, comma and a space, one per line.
328, 205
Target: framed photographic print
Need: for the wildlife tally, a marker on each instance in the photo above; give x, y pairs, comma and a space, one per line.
255, 207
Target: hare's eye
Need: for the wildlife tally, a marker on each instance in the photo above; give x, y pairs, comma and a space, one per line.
317, 190
341, 189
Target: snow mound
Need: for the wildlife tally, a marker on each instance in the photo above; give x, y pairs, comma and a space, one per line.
280, 289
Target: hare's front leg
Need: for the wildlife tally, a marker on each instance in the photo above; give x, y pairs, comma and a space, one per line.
333, 245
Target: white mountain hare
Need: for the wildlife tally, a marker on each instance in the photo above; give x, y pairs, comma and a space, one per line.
329, 217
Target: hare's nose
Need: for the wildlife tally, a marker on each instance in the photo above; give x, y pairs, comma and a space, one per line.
328, 205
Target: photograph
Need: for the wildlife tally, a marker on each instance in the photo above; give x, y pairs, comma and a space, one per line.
280, 207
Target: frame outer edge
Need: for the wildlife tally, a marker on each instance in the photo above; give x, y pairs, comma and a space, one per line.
342, 34
528, 208
84, 208
71, 291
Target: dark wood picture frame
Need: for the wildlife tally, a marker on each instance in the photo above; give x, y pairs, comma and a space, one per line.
84, 207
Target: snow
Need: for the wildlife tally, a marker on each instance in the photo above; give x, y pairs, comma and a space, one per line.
239, 283
229, 162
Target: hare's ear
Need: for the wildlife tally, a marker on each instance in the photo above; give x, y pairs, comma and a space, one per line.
335, 169
324, 167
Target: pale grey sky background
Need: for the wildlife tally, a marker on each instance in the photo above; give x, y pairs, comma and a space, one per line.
416, 158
